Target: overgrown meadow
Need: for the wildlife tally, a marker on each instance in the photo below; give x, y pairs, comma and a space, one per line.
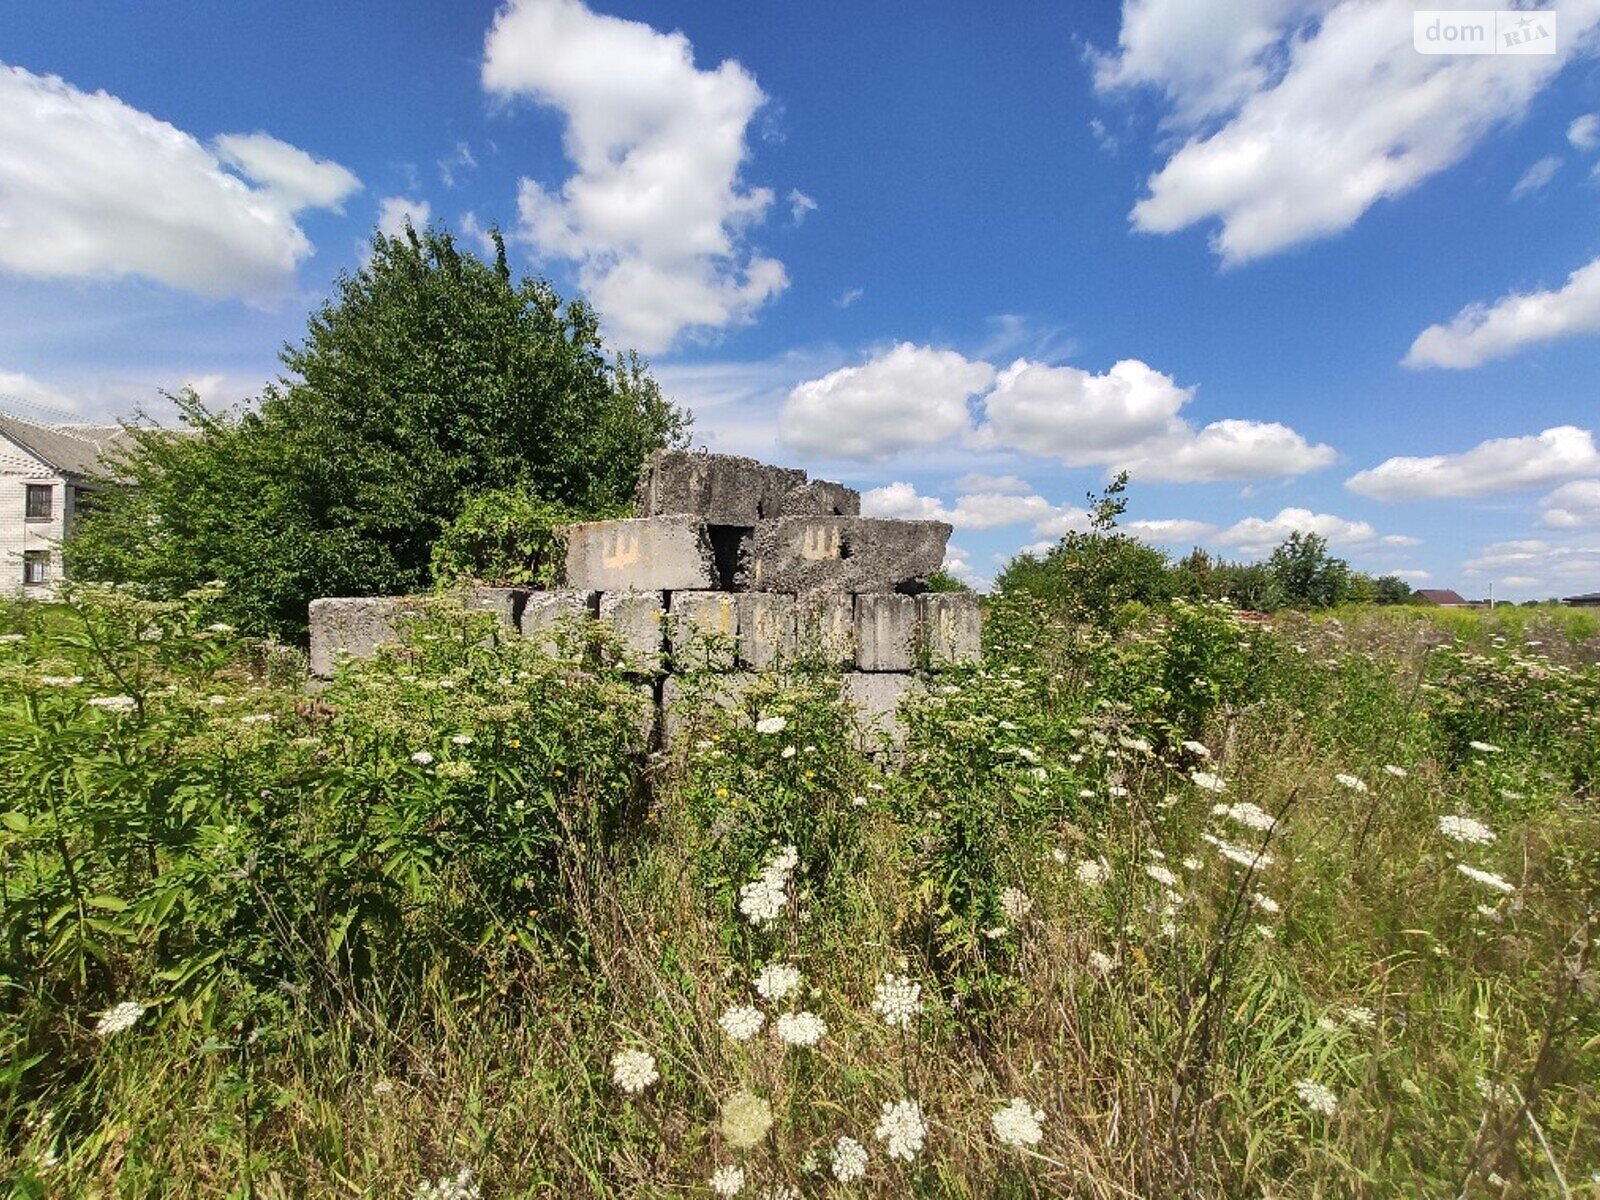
1185, 907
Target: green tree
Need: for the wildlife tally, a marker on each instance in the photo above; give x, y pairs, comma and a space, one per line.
1390, 589
429, 377
1309, 576
1091, 575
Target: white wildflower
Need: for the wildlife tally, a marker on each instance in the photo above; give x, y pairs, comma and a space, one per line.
1251, 816
779, 1191
787, 752
461, 739
727, 1181
746, 1119
1319, 1098
772, 724
114, 703
633, 1070
1192, 863
742, 1022
898, 1000
1060, 856
1207, 781
1359, 1016
1485, 747
800, 1029
1238, 854
777, 980
848, 1159
1397, 772
1198, 749
1161, 875
219, 627
1137, 745
118, 1017
1101, 963
1017, 1124
257, 719
1015, 903
460, 1187
422, 758
1266, 903
1487, 878
1116, 791
902, 1127
762, 900
60, 680
1495, 1093
1465, 829
11, 639
1351, 782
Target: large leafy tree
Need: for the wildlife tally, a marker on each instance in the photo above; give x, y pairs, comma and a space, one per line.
1308, 575
429, 377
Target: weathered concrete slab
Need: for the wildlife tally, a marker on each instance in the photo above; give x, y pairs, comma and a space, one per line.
886, 632
951, 630
843, 554
657, 553
504, 603
766, 630
703, 630
351, 627
692, 704
821, 498
637, 622
549, 619
720, 489
825, 631
874, 699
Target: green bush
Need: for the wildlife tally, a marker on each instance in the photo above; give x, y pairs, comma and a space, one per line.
506, 538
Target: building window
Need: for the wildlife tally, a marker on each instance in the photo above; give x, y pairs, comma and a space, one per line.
41, 497
35, 566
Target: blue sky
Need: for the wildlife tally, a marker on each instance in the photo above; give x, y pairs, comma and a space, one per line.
1285, 269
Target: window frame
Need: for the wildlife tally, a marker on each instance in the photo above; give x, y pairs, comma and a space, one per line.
35, 568
32, 491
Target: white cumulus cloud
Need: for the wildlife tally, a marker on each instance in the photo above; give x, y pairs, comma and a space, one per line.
1257, 535
93, 188
1300, 116
1534, 560
1574, 505
905, 398
395, 211
973, 510
1537, 177
1481, 332
1584, 132
24, 392
1497, 465
656, 213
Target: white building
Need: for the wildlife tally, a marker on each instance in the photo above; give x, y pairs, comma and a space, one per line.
46, 471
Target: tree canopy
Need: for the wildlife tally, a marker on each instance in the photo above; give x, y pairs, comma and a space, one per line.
429, 377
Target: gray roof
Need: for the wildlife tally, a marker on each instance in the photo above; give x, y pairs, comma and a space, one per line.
70, 449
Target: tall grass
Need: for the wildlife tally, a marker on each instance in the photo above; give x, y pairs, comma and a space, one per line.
1183, 892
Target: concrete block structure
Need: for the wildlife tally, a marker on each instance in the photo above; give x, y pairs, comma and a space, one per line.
733, 568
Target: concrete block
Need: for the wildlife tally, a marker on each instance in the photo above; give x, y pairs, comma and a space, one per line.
720, 489
950, 630
351, 626
691, 706
703, 630
874, 700
504, 603
766, 630
550, 619
654, 554
825, 631
843, 554
820, 498
886, 632
637, 621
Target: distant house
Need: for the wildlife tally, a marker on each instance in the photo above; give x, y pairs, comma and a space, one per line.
47, 474
1587, 600
1443, 597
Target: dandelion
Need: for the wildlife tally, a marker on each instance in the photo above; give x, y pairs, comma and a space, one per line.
742, 1022
445, 1188
1015, 903
422, 758
772, 725
727, 1181
800, 1029
633, 1070
1485, 747
1397, 772
1198, 749
777, 980
118, 1017
1465, 829
114, 703
1161, 875
1207, 781
1017, 1124
1487, 878
898, 1000
1251, 816
901, 1126
848, 1160
1318, 1097
746, 1118
1351, 782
